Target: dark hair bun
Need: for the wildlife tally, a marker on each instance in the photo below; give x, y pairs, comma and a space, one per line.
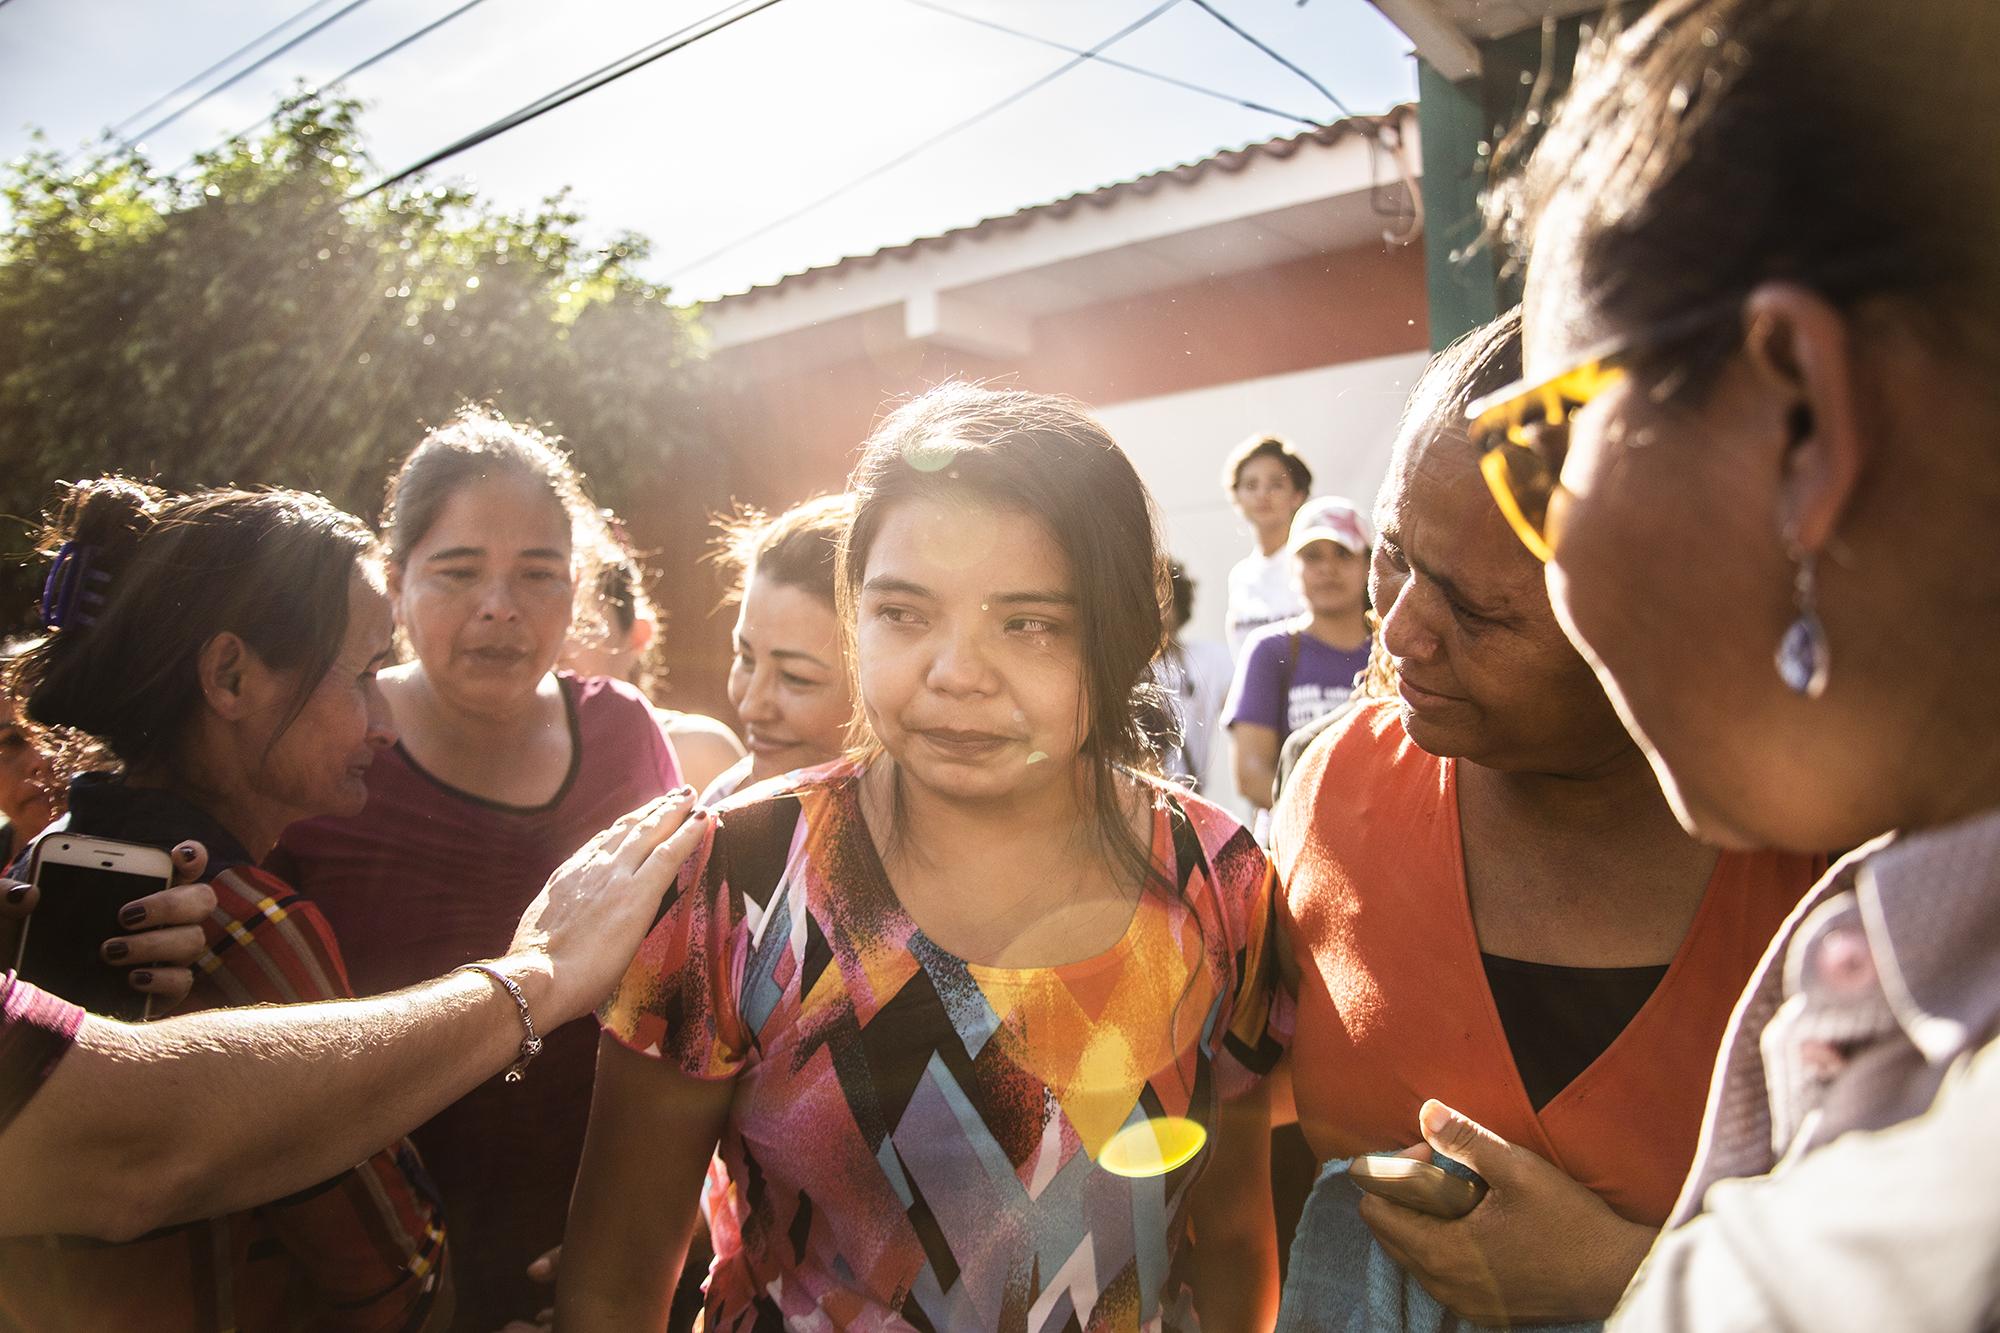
110, 515
271, 567
103, 521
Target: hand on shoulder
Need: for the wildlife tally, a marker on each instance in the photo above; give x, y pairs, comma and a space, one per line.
582, 930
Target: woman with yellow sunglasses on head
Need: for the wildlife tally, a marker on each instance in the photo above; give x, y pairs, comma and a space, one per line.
1774, 536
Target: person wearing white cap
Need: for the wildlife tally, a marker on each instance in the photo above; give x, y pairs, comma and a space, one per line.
1302, 668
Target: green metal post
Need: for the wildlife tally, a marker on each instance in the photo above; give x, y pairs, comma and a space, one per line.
1458, 270
1460, 123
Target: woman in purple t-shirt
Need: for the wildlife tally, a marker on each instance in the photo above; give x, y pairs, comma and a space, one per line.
504, 769
1303, 668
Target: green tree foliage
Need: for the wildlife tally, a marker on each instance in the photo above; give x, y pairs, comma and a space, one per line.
243, 323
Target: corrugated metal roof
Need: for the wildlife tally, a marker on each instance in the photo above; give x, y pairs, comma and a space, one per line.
1187, 174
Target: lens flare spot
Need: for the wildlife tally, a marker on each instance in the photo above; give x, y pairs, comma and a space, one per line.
1152, 1147
930, 455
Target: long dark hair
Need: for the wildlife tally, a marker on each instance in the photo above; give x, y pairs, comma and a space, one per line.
156, 577
1044, 456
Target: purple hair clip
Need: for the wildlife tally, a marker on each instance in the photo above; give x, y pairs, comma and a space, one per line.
73, 593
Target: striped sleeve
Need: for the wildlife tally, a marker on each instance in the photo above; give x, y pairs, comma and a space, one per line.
370, 1241
266, 945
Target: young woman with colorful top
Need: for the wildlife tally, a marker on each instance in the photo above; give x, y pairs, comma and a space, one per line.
1759, 448
504, 768
991, 1042
1498, 921
788, 666
222, 648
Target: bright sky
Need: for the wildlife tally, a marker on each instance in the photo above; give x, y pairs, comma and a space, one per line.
704, 148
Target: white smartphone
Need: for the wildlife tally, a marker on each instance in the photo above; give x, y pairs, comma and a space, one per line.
84, 883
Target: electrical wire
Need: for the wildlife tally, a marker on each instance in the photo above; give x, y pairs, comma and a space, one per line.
246, 71
1129, 68
1413, 216
1276, 55
338, 79
934, 140
189, 85
575, 88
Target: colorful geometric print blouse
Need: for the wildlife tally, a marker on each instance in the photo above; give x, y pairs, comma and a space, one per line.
921, 1142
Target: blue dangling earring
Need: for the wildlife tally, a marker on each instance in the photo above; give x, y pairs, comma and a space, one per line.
1803, 658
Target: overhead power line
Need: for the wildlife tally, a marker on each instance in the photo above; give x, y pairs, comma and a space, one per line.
1413, 213
340, 78
220, 65
1128, 67
934, 140
1276, 55
676, 40
246, 71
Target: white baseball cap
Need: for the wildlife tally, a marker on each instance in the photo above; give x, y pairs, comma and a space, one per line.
1329, 518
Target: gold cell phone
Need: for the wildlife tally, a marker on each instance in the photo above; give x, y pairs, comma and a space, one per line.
1419, 1185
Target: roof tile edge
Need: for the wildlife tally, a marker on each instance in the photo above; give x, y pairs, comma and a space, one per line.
1104, 196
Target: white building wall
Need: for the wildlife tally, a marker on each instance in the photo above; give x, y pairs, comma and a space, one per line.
1342, 419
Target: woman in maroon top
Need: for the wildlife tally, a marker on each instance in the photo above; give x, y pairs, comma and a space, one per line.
504, 769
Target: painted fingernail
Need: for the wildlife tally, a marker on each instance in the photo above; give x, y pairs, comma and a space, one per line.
17, 895
141, 978
184, 854
132, 914
702, 813
115, 950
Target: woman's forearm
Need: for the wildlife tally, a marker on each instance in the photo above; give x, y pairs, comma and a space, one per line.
1253, 752
1235, 1236
206, 1114
652, 1132
144, 1125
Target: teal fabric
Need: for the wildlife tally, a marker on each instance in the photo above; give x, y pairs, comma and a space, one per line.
1340, 1281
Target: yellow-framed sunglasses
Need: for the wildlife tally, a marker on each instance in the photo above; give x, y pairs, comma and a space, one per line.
1521, 432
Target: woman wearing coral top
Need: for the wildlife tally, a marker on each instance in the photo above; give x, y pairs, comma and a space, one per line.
1499, 924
